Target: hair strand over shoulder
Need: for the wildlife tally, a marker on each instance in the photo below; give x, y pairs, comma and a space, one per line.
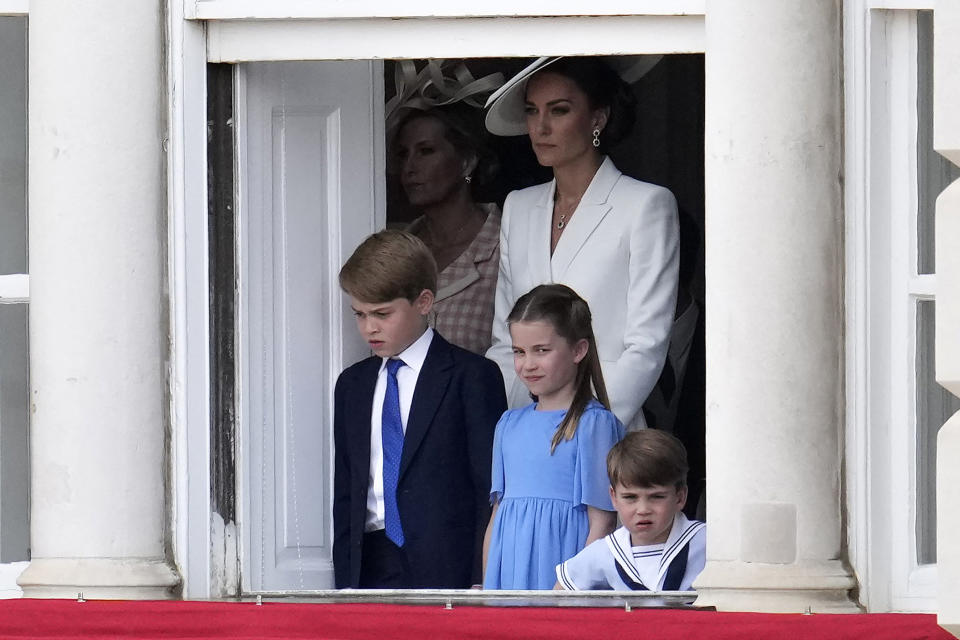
559, 306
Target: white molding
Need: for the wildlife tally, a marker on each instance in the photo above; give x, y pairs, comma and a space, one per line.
189, 308
14, 7
896, 396
884, 447
922, 286
330, 9
9, 572
14, 288
857, 296
240, 41
912, 588
882, 290
910, 5
242, 351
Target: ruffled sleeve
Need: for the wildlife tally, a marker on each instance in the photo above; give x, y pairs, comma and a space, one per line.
496, 468
597, 432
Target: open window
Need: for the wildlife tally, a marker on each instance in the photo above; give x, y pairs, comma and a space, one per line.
310, 160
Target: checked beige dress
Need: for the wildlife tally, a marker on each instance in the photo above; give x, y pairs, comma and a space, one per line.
463, 309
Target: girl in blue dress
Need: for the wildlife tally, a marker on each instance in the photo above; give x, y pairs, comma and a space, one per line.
549, 489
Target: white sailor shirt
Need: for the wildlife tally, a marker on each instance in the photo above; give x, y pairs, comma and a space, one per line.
609, 563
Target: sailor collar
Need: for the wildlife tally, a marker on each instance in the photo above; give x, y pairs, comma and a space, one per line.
682, 531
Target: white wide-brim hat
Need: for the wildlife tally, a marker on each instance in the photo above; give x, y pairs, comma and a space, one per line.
505, 106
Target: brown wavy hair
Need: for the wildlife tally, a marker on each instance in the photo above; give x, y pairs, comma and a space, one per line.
647, 458
388, 265
559, 306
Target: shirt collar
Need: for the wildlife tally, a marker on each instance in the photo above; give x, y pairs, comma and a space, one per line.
414, 355
681, 533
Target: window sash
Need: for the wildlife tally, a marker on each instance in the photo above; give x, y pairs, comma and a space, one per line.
14, 288
376, 38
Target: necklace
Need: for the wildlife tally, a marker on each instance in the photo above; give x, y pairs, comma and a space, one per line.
562, 222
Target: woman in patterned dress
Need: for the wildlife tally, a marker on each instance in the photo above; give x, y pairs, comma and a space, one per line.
442, 158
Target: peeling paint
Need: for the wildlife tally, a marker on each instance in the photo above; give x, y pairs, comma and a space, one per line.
224, 558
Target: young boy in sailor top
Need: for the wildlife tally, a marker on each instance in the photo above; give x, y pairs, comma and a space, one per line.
657, 548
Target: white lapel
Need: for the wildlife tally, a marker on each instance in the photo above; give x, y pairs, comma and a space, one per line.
621, 549
593, 207
681, 533
538, 237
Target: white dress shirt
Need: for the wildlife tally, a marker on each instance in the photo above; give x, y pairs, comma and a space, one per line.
407, 375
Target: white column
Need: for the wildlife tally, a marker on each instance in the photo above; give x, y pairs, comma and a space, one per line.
99, 522
774, 267
946, 123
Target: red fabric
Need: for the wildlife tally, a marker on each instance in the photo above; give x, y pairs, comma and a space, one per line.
185, 620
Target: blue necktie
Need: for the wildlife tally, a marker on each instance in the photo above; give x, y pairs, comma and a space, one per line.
392, 437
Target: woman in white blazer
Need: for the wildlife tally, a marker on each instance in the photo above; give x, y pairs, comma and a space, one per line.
613, 239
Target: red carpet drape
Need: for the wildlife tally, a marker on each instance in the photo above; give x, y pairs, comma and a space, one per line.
91, 620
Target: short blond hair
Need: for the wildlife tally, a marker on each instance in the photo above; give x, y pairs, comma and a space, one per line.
389, 264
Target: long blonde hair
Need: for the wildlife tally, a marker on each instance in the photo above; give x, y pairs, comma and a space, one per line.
559, 306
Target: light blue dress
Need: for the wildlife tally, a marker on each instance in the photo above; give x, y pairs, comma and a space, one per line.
542, 517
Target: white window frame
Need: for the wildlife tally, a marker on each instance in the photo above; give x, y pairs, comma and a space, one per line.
14, 7
247, 30
194, 541
15, 288
337, 9
882, 291
253, 40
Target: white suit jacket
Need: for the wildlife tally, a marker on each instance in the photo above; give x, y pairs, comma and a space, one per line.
620, 253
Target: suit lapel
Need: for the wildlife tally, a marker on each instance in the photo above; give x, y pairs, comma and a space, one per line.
538, 238
593, 207
427, 396
480, 250
458, 285
571, 242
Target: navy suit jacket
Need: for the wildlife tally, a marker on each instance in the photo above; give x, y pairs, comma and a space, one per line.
443, 493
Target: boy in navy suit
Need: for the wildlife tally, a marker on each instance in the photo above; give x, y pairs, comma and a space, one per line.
413, 431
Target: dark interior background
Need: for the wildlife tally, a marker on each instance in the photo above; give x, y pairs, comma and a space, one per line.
665, 148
